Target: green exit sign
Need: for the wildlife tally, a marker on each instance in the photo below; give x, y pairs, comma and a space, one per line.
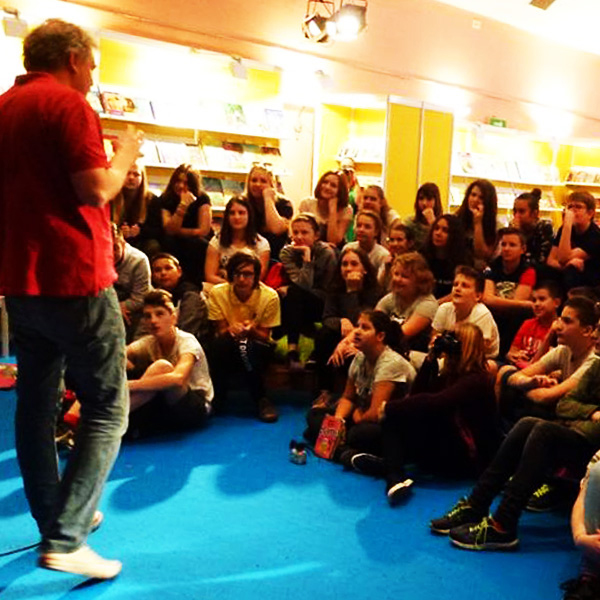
497, 122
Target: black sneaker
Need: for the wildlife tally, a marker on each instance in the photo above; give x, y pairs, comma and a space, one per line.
483, 536
545, 498
582, 588
368, 464
399, 491
460, 514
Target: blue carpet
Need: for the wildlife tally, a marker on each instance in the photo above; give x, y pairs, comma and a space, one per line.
222, 513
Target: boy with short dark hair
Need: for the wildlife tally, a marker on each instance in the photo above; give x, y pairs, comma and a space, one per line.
175, 388
533, 332
466, 305
576, 247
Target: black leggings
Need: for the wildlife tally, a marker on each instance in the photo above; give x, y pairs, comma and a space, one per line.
301, 309
228, 355
532, 451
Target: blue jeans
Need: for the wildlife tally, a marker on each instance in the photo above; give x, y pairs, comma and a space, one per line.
86, 336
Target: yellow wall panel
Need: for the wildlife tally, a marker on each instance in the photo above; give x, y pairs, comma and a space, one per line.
436, 154
335, 125
402, 157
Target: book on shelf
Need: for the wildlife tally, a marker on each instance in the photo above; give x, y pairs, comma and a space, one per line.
231, 188
115, 103
149, 152
214, 189
234, 155
274, 121
234, 116
173, 153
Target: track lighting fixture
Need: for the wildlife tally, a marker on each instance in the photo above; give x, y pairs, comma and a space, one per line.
325, 21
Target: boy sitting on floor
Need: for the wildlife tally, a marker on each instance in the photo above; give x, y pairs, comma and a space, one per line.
533, 332
174, 388
466, 306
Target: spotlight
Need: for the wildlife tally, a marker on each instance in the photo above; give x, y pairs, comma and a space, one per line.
314, 28
348, 22
314, 25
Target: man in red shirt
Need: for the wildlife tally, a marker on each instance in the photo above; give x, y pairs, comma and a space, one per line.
56, 271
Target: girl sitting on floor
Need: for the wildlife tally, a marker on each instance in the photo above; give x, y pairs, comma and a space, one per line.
448, 421
377, 374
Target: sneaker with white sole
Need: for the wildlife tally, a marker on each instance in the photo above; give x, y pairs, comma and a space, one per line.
398, 491
83, 561
368, 464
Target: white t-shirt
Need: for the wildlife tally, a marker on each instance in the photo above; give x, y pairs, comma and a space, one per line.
147, 350
390, 366
225, 254
445, 319
561, 359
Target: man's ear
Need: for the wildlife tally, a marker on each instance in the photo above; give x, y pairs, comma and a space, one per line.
71, 65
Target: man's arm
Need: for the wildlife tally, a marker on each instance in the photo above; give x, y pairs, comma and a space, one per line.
96, 187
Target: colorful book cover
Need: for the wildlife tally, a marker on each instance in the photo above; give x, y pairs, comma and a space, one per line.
330, 436
234, 115
214, 189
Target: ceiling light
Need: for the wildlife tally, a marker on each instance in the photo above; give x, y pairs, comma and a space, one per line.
314, 25
324, 23
348, 22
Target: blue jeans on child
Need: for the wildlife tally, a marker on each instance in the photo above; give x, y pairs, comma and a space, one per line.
84, 335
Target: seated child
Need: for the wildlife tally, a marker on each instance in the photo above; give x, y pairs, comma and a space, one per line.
533, 332
509, 281
400, 240
172, 385
576, 247
310, 266
537, 388
467, 290
377, 374
133, 280
192, 309
245, 311
368, 231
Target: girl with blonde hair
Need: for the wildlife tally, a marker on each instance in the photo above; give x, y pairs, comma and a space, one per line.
447, 423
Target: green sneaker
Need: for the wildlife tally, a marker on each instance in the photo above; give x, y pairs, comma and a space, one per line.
460, 514
483, 536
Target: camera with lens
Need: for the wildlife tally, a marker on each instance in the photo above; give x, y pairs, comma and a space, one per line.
446, 343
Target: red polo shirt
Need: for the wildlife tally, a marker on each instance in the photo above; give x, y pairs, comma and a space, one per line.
50, 243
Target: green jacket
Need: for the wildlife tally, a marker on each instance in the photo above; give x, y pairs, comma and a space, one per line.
576, 408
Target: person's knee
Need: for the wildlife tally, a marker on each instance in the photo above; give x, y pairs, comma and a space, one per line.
159, 367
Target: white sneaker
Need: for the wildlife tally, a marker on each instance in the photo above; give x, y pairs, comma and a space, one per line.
83, 561
398, 492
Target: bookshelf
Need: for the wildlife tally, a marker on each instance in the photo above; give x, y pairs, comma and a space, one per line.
517, 161
221, 146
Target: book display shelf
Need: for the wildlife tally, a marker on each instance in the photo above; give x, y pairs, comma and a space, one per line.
220, 124
517, 161
221, 140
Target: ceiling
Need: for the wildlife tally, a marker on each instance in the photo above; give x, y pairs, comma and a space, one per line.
571, 22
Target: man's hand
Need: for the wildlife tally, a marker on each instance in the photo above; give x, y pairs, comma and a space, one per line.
236, 330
